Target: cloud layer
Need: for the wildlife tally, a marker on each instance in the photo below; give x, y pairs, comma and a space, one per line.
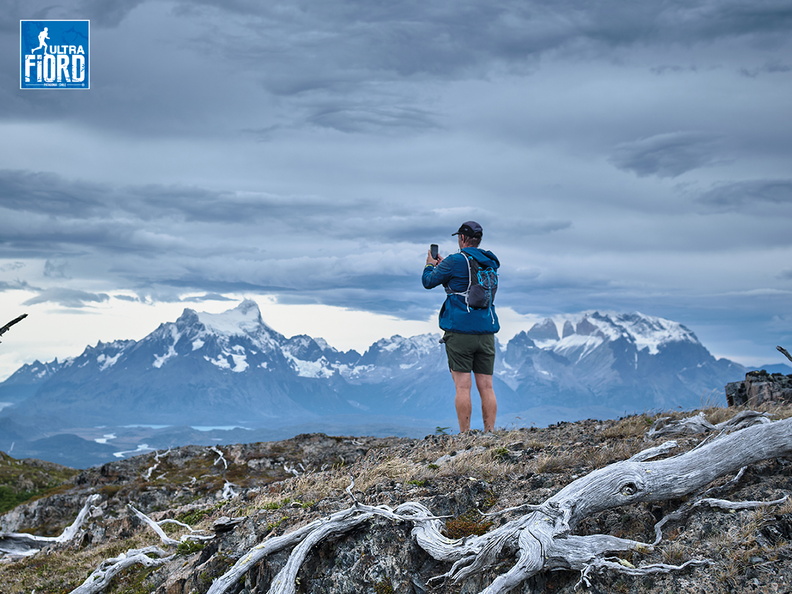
619, 155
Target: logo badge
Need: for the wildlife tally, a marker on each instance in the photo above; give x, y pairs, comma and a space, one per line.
54, 54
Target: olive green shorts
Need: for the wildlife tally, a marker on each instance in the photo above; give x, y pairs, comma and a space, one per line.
470, 352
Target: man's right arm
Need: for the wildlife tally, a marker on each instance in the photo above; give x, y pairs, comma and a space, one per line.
436, 275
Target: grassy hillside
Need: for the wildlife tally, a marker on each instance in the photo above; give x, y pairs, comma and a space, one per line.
22, 480
247, 494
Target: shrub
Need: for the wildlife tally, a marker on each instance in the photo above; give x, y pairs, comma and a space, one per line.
468, 524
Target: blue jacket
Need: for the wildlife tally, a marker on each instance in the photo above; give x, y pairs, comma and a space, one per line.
452, 273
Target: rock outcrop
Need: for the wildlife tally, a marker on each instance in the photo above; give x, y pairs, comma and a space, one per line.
760, 387
245, 495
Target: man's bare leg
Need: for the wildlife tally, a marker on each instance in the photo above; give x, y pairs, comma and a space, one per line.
489, 404
462, 383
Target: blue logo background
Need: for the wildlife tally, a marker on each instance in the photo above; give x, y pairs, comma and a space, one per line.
59, 59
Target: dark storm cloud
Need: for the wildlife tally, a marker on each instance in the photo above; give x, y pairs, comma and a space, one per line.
434, 38
47, 194
103, 13
129, 298
207, 297
374, 120
14, 285
354, 253
363, 118
353, 66
67, 297
107, 13
8, 282
51, 210
668, 155
42, 192
740, 18
612, 151
55, 269
774, 67
194, 204
761, 197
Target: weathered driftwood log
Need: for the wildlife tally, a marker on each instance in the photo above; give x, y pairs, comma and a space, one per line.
544, 538
23, 544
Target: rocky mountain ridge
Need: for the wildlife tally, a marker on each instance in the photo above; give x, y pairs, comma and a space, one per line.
604, 352
229, 374
244, 494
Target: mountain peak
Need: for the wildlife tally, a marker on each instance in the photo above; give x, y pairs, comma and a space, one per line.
544, 330
245, 318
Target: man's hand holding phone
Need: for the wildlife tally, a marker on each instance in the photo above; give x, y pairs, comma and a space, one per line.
433, 257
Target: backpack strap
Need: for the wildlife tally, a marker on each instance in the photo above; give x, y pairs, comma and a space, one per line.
468, 261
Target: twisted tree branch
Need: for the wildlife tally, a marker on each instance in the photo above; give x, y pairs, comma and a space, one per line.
544, 538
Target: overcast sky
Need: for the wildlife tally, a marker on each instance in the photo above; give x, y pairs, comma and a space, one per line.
625, 156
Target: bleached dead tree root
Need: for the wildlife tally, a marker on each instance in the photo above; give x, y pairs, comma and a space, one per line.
149, 557
543, 539
784, 352
663, 427
157, 457
23, 544
109, 568
622, 566
167, 540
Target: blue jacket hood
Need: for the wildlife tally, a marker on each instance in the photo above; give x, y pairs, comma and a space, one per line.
484, 257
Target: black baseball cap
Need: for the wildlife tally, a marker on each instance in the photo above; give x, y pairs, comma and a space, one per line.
470, 229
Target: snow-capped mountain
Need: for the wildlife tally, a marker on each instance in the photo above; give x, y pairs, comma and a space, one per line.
631, 362
231, 368
202, 369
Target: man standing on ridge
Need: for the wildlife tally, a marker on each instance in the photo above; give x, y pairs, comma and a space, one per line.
469, 332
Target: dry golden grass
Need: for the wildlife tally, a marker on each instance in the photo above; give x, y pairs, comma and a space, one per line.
611, 451
312, 486
392, 469
73, 567
635, 426
481, 456
675, 553
478, 456
554, 463
742, 547
785, 508
717, 415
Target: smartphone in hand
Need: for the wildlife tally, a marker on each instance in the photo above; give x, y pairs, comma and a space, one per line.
433, 250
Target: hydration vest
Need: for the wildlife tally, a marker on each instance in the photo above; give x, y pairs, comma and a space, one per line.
482, 284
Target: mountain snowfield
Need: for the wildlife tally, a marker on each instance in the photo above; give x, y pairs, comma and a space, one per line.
232, 369
591, 329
